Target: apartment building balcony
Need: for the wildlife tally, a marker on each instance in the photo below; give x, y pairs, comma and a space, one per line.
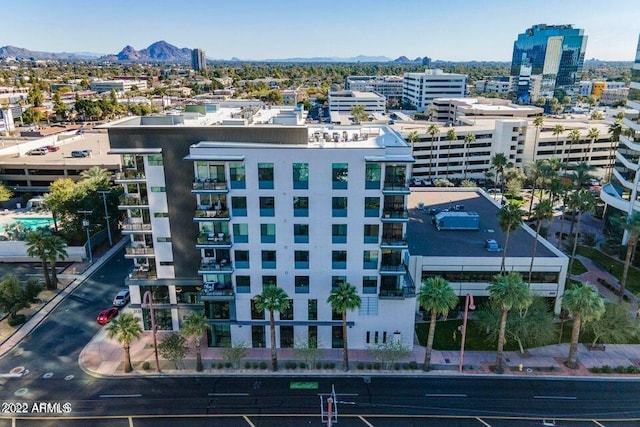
611, 196
213, 240
132, 202
396, 187
215, 266
139, 253
216, 291
136, 228
208, 214
394, 242
130, 177
395, 215
401, 288
143, 272
205, 186
393, 269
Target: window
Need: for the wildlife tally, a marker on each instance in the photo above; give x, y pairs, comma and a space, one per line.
258, 336
372, 206
237, 176
217, 310
158, 189
243, 284
269, 259
312, 339
267, 233
337, 281
287, 313
219, 336
339, 206
339, 260
265, 176
370, 284
255, 313
370, 260
339, 233
300, 206
372, 176
301, 233
340, 176
238, 206
129, 161
164, 239
312, 309
286, 336
241, 259
301, 176
161, 214
166, 263
154, 159
371, 232
302, 284
241, 233
267, 206
159, 294
269, 281
162, 319
336, 337
301, 259
395, 176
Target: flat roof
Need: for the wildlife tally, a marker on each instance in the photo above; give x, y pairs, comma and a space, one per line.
425, 240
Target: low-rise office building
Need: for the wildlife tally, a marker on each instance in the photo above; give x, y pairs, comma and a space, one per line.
342, 101
101, 86
421, 89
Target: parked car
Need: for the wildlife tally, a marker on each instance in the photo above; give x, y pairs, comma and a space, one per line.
81, 153
105, 316
416, 182
40, 151
122, 298
52, 148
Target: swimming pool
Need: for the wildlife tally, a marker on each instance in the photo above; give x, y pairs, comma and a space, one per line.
32, 223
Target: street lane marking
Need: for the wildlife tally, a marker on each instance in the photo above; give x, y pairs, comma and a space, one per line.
486, 424
228, 394
445, 395
556, 397
130, 421
365, 421
341, 394
119, 395
601, 425
248, 421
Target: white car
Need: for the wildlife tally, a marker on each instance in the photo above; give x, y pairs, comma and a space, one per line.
416, 181
122, 298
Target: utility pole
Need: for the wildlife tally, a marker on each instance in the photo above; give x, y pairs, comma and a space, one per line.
106, 214
85, 224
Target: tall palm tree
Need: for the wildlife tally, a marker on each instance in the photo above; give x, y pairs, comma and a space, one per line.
535, 172
125, 328
585, 304
37, 248
437, 297
56, 250
272, 299
574, 138
537, 122
451, 137
509, 219
580, 201
615, 130
97, 175
469, 139
557, 131
543, 212
342, 299
195, 327
632, 227
509, 291
594, 133
432, 130
500, 162
581, 174
413, 137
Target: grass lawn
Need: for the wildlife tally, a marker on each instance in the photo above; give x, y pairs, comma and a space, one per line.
578, 268
633, 281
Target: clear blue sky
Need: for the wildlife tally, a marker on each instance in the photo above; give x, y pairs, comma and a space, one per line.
457, 30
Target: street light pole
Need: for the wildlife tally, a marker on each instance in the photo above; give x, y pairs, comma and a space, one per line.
85, 224
147, 302
468, 305
106, 215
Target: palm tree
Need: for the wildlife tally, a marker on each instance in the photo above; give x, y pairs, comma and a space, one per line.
593, 134
500, 162
632, 227
580, 175
432, 130
585, 304
125, 328
469, 139
580, 201
557, 131
509, 291
535, 171
272, 299
56, 249
413, 137
543, 212
342, 299
537, 122
437, 297
574, 138
97, 175
509, 219
451, 136
36, 248
195, 326
615, 130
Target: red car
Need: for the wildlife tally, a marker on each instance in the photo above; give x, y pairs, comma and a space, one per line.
106, 315
52, 148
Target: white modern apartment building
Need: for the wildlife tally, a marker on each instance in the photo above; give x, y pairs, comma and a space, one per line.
495, 86
420, 89
215, 213
342, 101
101, 86
387, 86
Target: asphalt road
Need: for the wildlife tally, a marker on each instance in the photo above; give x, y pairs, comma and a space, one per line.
51, 353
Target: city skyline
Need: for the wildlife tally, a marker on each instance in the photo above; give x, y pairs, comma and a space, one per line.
456, 31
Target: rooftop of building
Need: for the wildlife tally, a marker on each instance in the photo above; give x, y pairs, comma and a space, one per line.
488, 106
425, 240
355, 94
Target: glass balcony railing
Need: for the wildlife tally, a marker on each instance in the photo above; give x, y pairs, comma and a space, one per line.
216, 289
209, 185
140, 251
213, 239
133, 201
215, 266
395, 214
394, 240
212, 213
143, 272
136, 226
130, 175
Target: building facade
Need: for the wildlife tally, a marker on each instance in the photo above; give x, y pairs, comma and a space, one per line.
101, 86
420, 89
342, 101
387, 86
198, 60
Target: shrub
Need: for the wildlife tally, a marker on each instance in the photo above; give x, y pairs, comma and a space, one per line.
255, 365
413, 364
326, 366
18, 319
405, 366
220, 365
396, 366
146, 365
631, 369
606, 369
369, 366
318, 365
620, 369
360, 365
247, 365
263, 365
303, 365
376, 366
332, 365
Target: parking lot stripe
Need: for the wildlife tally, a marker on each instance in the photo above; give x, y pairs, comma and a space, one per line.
365, 421
486, 424
248, 421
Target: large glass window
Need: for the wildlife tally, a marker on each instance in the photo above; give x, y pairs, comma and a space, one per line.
302, 284
336, 281
339, 260
159, 294
238, 206
243, 284
218, 310
237, 176
269, 281
188, 294
267, 206
301, 259
287, 313
301, 233
340, 176
241, 259
312, 309
267, 233
339, 206
162, 319
336, 337
301, 176
154, 159
300, 206
371, 232
370, 285
286, 336
372, 207
258, 336
219, 336
339, 233
241, 233
372, 176
268, 259
255, 313
395, 176
370, 260
265, 176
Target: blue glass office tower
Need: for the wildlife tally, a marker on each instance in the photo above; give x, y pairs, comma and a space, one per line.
553, 52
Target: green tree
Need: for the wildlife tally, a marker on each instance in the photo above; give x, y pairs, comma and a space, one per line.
36, 241
616, 326
34, 96
500, 163
174, 347
584, 302
97, 176
272, 299
15, 296
31, 115
234, 353
594, 133
195, 327
508, 291
451, 137
432, 130
125, 328
60, 192
581, 174
437, 297
55, 250
557, 131
342, 299
615, 130
574, 138
509, 219
580, 201
535, 173
632, 229
537, 122
59, 107
543, 212
412, 138
469, 139
359, 114
5, 193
